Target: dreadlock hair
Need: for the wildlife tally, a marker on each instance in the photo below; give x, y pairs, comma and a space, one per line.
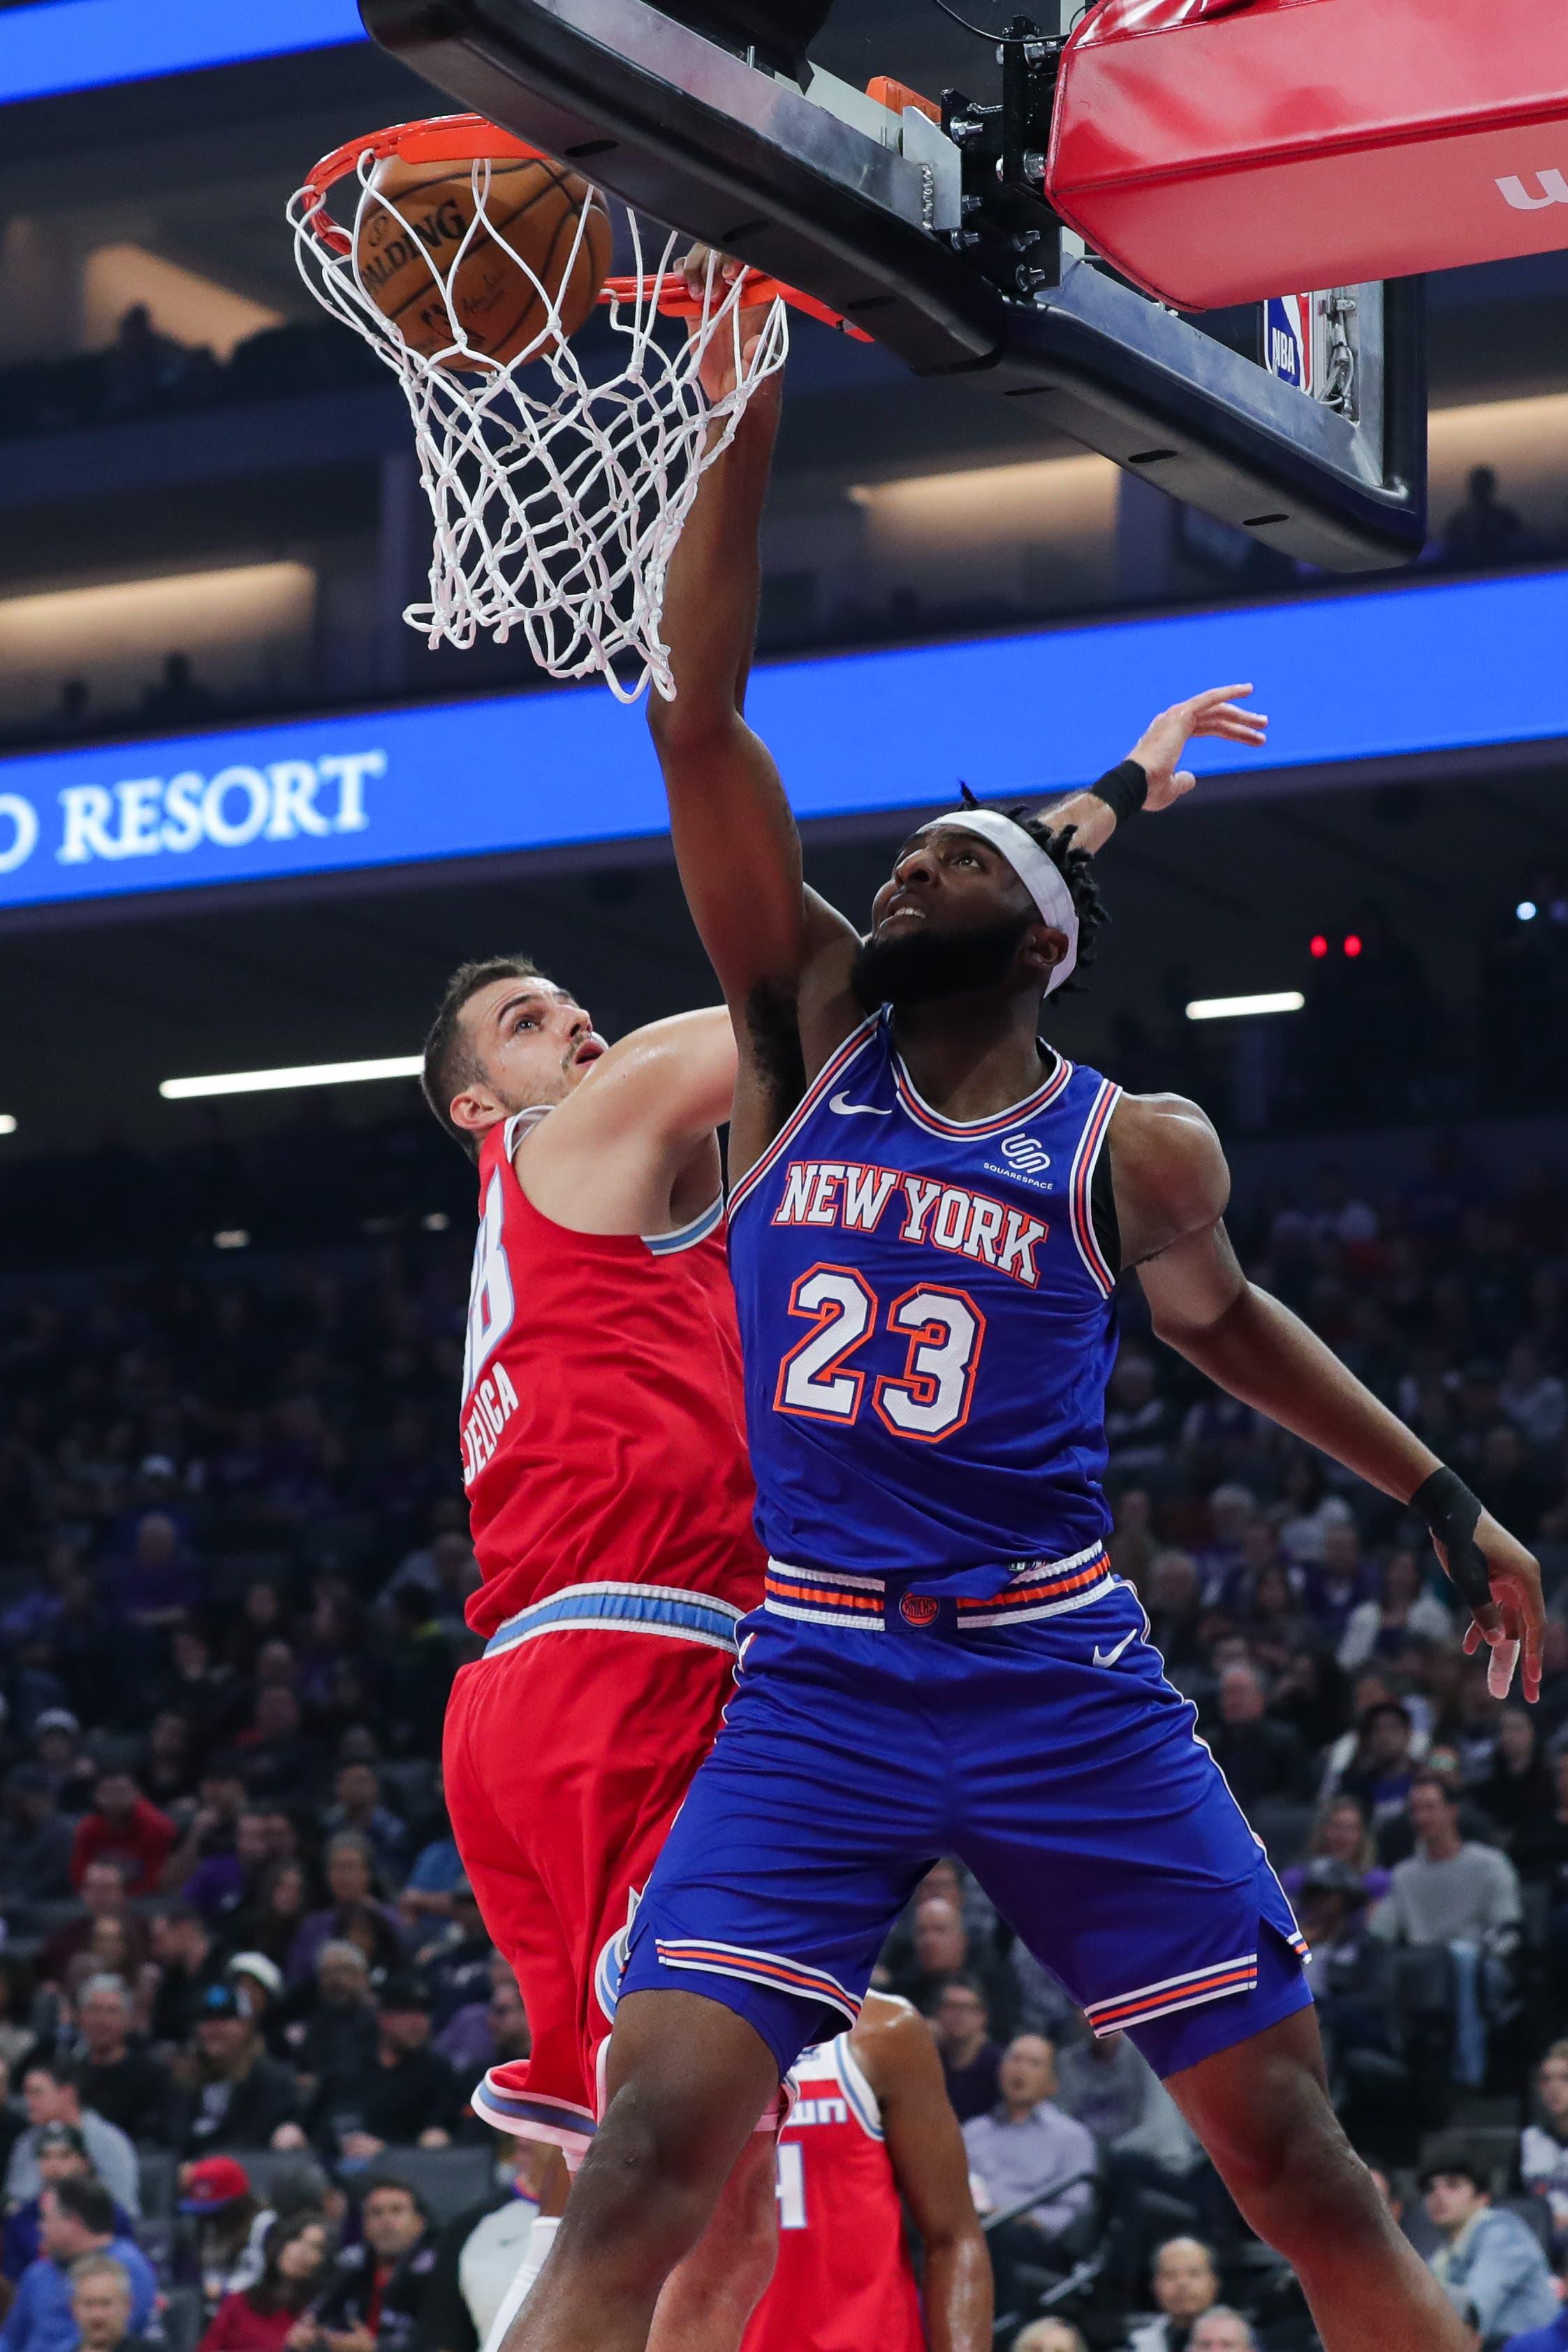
1076, 868
449, 1060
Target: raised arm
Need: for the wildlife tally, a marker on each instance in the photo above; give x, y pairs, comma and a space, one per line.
931, 2166
782, 954
1171, 1187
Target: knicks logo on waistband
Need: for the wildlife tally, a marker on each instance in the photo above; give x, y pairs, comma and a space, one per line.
919, 1609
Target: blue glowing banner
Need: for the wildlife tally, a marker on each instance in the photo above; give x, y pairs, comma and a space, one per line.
1346, 677
63, 45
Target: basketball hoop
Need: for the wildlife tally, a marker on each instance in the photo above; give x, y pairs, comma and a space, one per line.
558, 481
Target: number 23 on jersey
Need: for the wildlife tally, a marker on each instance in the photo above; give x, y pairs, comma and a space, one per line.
943, 1332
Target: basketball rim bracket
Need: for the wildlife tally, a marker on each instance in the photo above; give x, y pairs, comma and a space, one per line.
927, 227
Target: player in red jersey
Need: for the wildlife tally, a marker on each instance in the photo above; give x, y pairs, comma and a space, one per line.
610, 1503
872, 2132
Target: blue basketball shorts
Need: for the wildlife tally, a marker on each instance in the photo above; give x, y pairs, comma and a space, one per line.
1044, 1748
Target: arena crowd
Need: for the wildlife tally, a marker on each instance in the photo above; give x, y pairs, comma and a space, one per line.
244, 1987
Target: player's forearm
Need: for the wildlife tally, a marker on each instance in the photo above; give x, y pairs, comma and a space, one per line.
1092, 820
957, 2294
1261, 1353
713, 584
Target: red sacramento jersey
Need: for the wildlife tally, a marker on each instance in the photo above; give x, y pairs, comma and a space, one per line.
603, 1424
844, 2282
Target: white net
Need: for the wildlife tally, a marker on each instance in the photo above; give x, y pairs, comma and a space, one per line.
559, 479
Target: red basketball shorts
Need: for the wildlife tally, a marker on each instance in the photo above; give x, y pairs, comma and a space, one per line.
569, 1749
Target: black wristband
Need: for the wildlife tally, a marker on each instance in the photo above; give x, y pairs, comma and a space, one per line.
1451, 1511
1124, 791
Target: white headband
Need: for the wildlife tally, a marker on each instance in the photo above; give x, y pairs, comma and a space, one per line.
1039, 874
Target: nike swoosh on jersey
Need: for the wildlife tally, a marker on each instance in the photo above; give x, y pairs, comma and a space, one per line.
1108, 1657
847, 1110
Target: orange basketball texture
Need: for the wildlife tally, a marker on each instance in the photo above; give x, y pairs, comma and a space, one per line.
407, 256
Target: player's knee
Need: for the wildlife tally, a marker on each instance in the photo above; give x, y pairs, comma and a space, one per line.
1294, 2173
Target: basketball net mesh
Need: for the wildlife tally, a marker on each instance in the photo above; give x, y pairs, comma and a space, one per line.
557, 494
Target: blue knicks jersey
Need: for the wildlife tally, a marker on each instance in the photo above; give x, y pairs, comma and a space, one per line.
927, 1323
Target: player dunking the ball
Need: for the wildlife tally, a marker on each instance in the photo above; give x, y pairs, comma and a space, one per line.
604, 1456
929, 1208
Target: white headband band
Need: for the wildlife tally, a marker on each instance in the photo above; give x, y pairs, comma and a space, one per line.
1039, 874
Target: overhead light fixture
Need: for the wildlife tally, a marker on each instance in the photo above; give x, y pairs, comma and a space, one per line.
7, 1124
1238, 1008
309, 1074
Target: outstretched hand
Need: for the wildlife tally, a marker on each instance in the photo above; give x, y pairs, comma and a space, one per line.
1162, 741
1511, 1622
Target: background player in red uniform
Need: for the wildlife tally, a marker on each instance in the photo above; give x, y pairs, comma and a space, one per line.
872, 2132
611, 1504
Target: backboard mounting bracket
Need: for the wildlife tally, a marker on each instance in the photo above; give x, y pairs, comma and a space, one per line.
695, 136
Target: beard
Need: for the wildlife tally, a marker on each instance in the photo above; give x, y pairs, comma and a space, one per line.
921, 965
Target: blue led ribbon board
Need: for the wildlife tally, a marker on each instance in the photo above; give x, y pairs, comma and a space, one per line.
65, 45
1365, 676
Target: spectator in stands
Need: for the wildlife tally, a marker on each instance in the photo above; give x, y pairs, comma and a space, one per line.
51, 2093
1340, 1833
1404, 1612
1108, 2085
177, 697
1517, 1791
273, 2313
103, 2303
372, 2297
185, 1962
1027, 2144
970, 2058
338, 2038
61, 2156
1489, 2263
940, 1942
455, 1961
1048, 2336
1222, 2330
232, 2225
117, 2077
78, 2219
159, 1581
1483, 531
273, 1921
1455, 1893
1381, 1772
240, 2097
219, 1869
102, 1889
1185, 2285
1534, 1400
1139, 1421
1261, 1760
360, 1811
1543, 2149
404, 2095
17, 2031
1338, 1581
486, 2033
478, 2254
57, 1749
35, 1846
353, 1913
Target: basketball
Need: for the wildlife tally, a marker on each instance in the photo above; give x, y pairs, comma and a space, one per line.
429, 271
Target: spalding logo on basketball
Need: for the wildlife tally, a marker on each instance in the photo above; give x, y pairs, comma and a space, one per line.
430, 270
918, 1608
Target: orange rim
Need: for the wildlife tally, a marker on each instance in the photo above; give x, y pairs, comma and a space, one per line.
471, 139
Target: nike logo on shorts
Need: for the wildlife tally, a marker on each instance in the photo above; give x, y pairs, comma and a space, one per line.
1108, 1657
847, 1110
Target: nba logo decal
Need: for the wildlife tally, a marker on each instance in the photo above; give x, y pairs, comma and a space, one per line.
918, 1608
1288, 339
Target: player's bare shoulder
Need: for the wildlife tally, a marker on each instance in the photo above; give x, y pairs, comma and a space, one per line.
1168, 1169
637, 1131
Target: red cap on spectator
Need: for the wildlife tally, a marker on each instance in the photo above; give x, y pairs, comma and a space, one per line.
212, 2183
